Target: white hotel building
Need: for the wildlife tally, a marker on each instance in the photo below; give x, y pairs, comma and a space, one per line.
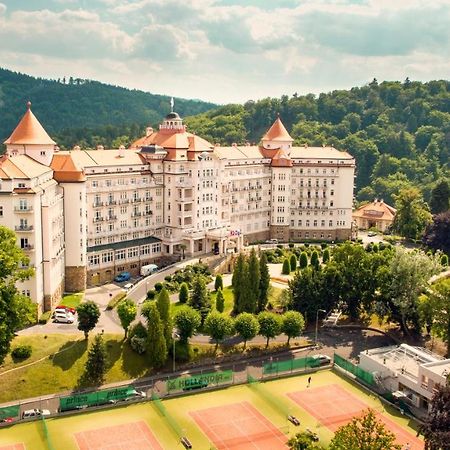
83, 216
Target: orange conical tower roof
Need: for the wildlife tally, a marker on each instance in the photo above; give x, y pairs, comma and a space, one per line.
29, 131
277, 132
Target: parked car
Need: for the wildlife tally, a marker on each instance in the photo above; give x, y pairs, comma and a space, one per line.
128, 286
123, 276
371, 234
323, 360
272, 241
63, 317
35, 413
66, 308
7, 420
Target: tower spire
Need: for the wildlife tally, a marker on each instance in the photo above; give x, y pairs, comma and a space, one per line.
171, 104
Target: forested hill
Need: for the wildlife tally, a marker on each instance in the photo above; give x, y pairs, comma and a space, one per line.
398, 132
85, 112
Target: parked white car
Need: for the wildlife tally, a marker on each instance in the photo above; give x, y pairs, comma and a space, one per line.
63, 317
35, 413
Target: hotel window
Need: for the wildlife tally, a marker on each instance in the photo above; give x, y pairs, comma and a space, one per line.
332, 192
330, 223
120, 255
307, 223
1, 211
315, 223
94, 183
322, 223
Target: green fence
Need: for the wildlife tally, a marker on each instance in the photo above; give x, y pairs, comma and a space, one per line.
175, 427
9, 411
191, 382
46, 433
359, 373
81, 401
276, 367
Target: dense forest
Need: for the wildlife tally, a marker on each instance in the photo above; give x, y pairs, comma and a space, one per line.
399, 133
82, 112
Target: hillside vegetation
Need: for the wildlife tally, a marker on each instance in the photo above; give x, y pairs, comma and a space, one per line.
85, 112
398, 132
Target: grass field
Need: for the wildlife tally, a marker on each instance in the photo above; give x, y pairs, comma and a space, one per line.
201, 422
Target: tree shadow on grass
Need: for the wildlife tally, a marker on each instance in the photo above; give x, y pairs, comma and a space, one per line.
114, 351
133, 364
69, 353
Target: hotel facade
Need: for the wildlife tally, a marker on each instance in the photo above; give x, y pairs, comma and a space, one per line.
83, 216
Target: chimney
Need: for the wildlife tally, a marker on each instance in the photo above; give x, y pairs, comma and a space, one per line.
121, 151
148, 131
77, 147
56, 149
100, 147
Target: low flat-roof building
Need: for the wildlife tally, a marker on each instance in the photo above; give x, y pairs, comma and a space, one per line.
414, 371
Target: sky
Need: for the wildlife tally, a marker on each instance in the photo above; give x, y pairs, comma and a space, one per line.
228, 50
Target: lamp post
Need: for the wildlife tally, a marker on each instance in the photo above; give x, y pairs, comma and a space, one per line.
317, 324
175, 335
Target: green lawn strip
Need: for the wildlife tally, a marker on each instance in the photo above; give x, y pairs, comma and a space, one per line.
30, 434
274, 295
228, 297
42, 345
72, 300
62, 371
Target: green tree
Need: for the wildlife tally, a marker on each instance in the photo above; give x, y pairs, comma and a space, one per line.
303, 260
156, 342
240, 283
269, 325
292, 324
315, 262
12, 263
264, 283
126, 311
253, 283
303, 441
293, 262
187, 320
220, 301
286, 270
96, 364
326, 256
183, 296
218, 326
218, 283
200, 298
364, 433
436, 429
163, 305
440, 196
412, 214
439, 300
246, 326
88, 315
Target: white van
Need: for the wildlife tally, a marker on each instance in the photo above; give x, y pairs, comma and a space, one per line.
148, 269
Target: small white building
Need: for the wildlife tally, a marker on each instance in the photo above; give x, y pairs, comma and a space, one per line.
414, 372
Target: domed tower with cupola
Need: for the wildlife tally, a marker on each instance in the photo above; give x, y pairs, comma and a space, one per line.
30, 138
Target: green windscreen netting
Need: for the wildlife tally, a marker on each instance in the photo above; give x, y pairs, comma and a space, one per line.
359, 373
290, 365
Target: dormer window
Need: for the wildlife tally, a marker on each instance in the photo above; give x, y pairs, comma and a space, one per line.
43, 153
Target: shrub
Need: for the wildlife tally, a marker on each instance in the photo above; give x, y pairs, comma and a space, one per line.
183, 296
270, 259
293, 262
22, 352
158, 287
168, 278
138, 344
286, 267
315, 259
326, 256
279, 246
183, 351
278, 252
444, 260
303, 260
44, 318
115, 300
218, 284
324, 245
291, 245
137, 330
151, 294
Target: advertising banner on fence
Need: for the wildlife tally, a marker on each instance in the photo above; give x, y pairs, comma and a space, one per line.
96, 398
202, 380
9, 411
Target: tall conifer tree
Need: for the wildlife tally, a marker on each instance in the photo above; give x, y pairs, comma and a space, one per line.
264, 283
253, 282
156, 343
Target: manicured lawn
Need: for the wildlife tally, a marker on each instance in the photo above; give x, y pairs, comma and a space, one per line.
72, 300
60, 372
228, 297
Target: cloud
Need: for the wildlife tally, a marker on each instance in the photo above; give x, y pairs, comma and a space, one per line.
229, 50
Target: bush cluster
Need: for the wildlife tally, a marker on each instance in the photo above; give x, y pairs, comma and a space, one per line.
22, 352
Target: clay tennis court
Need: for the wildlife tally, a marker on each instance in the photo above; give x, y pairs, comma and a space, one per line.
130, 436
239, 426
333, 406
13, 447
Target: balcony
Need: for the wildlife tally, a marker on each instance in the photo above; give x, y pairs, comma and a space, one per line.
28, 247
98, 204
109, 218
136, 214
24, 228
23, 209
147, 213
98, 219
112, 202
